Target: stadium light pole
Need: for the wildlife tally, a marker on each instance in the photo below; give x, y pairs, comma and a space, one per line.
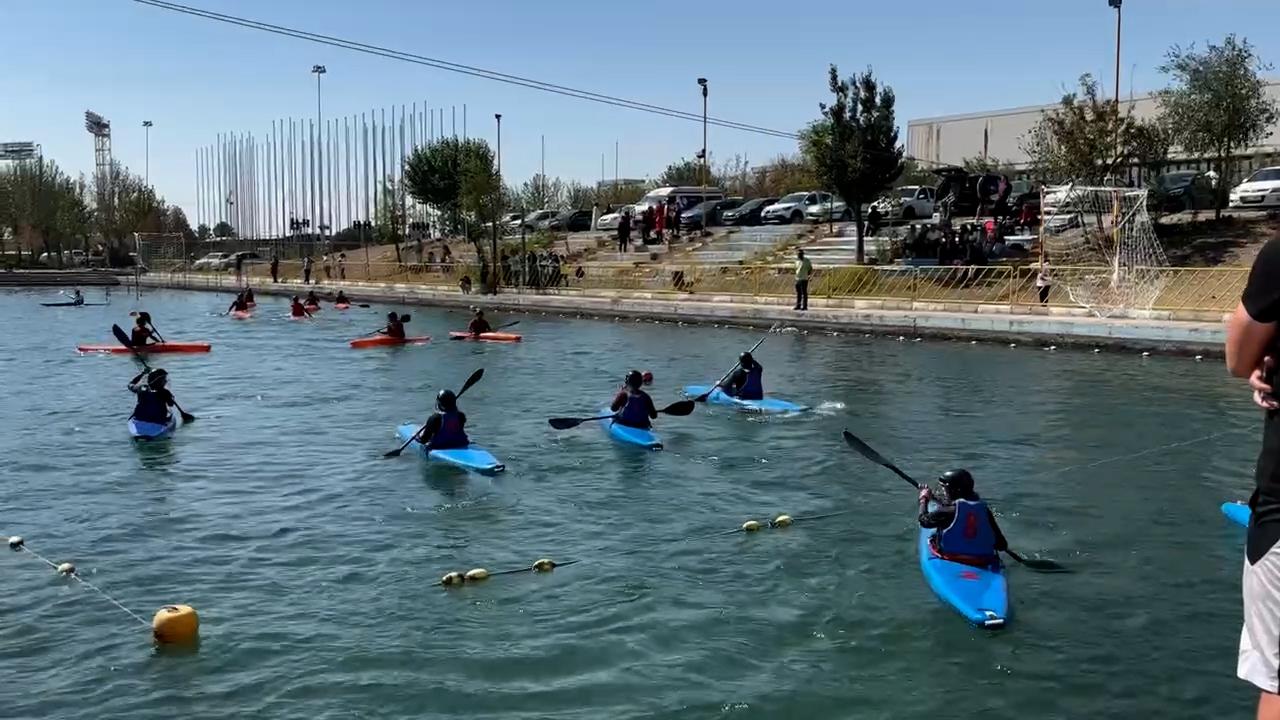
319, 70
146, 131
497, 199
702, 83
1116, 5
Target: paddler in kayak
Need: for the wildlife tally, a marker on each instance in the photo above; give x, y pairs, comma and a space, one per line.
966, 529
77, 298
747, 382
297, 309
240, 304
446, 428
248, 297
312, 300
394, 328
154, 399
478, 324
647, 378
341, 299
142, 335
632, 406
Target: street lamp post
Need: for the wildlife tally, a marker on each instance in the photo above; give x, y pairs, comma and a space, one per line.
1116, 4
319, 70
497, 199
702, 82
146, 131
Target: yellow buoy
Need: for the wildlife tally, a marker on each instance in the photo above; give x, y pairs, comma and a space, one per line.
477, 575
67, 569
175, 624
453, 578
782, 521
544, 565
751, 525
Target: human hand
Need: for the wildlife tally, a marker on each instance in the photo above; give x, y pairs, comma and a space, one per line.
1259, 382
925, 494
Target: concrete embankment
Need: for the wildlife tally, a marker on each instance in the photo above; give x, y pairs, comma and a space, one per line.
57, 278
1060, 326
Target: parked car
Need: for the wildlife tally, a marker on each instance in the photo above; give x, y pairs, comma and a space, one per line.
685, 197
789, 208
707, 214
1261, 189
748, 213
510, 223
908, 202
246, 257
827, 208
1181, 190
538, 220
212, 261
570, 221
70, 258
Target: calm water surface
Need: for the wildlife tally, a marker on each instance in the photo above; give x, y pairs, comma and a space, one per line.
314, 562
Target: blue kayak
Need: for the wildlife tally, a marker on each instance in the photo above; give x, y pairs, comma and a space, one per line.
630, 435
1237, 512
767, 406
471, 458
141, 430
981, 595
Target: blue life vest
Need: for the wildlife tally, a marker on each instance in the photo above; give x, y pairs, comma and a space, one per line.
753, 388
450, 435
970, 533
636, 412
152, 407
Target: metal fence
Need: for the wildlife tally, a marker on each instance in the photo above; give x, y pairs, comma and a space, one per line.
1207, 290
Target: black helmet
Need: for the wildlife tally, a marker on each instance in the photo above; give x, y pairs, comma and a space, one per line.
156, 378
446, 401
392, 315
634, 379
745, 359
958, 483
479, 312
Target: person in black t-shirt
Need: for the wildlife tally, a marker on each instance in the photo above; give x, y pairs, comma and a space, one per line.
1251, 343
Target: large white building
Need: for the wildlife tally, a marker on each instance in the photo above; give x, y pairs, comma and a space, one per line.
998, 134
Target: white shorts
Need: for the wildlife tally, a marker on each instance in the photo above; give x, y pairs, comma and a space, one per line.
1259, 661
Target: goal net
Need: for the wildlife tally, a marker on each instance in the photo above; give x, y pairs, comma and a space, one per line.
163, 252
1102, 248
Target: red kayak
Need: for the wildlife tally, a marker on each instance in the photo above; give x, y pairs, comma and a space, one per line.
341, 306
386, 340
164, 347
485, 337
241, 314
312, 308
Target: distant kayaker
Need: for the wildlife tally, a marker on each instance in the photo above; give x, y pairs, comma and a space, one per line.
747, 381
154, 399
478, 323
632, 406
394, 328
240, 304
966, 528
647, 378
446, 428
141, 333
341, 299
312, 301
297, 309
76, 297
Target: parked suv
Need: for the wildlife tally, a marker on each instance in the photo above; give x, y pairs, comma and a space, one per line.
1262, 189
790, 208
570, 221
748, 213
212, 261
908, 202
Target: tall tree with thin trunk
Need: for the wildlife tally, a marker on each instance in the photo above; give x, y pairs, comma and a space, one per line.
854, 147
1217, 105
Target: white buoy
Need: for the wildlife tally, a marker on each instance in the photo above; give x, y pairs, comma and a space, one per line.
1097, 350
1052, 348
973, 342
1199, 358
1013, 345
1146, 354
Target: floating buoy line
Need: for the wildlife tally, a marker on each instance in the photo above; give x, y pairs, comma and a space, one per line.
171, 625
546, 565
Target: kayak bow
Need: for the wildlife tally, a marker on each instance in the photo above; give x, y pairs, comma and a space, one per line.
766, 406
1237, 512
141, 430
629, 435
473, 458
980, 594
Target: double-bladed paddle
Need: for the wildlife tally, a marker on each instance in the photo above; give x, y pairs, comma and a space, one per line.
475, 378
703, 397
679, 408
867, 452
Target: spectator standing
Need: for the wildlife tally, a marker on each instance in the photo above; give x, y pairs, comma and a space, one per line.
646, 224
239, 267
624, 231
306, 270
873, 221
659, 222
1251, 335
326, 262
673, 220
275, 268
342, 266
595, 214
803, 269
1043, 283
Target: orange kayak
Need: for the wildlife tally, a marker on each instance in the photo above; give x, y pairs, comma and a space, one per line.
386, 340
241, 314
164, 347
341, 306
311, 308
485, 337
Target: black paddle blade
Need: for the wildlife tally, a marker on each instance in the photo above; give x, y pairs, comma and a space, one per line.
188, 417
122, 336
865, 450
680, 408
392, 453
565, 423
405, 318
475, 378
1037, 564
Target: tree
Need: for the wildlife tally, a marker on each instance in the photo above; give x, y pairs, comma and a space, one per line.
457, 176
1148, 143
1079, 141
986, 166
1217, 105
203, 232
540, 193
578, 196
223, 229
854, 147
785, 174
686, 173
915, 173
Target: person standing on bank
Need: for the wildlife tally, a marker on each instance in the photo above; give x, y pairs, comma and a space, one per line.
624, 231
1251, 341
275, 268
1043, 283
803, 269
306, 270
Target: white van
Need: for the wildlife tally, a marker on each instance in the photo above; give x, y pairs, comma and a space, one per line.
686, 197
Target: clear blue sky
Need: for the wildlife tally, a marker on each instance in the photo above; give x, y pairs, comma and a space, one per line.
766, 61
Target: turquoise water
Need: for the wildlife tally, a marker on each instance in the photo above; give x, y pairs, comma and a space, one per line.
314, 562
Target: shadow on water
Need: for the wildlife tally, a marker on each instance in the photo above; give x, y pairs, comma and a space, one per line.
156, 455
